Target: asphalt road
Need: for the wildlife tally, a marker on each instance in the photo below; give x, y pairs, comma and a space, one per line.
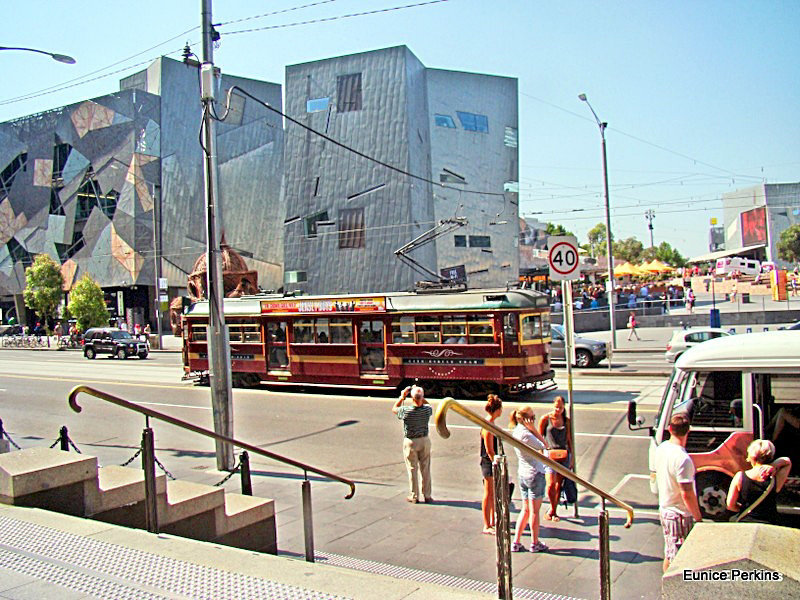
355, 436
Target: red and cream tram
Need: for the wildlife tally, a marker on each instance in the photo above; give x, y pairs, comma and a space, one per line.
459, 343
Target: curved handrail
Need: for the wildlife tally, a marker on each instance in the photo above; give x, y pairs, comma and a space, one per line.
73, 403
441, 426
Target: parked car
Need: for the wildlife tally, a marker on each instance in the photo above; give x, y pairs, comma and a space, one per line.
683, 339
587, 352
795, 326
112, 341
10, 330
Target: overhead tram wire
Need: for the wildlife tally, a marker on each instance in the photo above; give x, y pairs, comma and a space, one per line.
349, 148
272, 14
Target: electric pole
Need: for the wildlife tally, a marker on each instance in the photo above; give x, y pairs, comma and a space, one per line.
219, 352
650, 215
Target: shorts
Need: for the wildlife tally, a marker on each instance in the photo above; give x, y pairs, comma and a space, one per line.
675, 527
532, 487
486, 468
565, 462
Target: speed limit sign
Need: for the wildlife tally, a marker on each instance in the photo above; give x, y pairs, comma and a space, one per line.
563, 257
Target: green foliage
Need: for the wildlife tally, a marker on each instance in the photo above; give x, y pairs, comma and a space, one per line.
43, 283
667, 254
649, 254
557, 230
86, 304
629, 249
597, 240
789, 244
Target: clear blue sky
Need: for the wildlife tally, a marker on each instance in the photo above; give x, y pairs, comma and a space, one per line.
701, 97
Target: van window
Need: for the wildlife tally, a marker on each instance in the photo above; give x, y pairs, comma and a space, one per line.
717, 394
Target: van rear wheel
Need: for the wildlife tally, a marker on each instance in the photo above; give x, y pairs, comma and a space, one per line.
712, 495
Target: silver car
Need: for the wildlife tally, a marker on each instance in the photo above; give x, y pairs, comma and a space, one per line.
587, 352
683, 339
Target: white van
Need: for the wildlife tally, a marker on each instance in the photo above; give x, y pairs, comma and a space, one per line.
745, 266
742, 387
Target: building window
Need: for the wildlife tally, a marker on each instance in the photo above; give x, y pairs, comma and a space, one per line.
351, 228
60, 156
448, 176
15, 166
295, 277
312, 221
444, 121
511, 137
90, 195
460, 241
348, 92
473, 122
480, 241
511, 186
317, 104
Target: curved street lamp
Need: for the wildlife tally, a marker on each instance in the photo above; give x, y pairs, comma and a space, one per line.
62, 58
611, 294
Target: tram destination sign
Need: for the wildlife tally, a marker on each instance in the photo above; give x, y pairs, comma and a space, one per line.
325, 305
563, 258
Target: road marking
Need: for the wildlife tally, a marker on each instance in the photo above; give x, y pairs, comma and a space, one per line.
602, 435
625, 480
175, 405
97, 381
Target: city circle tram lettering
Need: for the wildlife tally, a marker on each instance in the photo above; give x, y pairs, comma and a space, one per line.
317, 306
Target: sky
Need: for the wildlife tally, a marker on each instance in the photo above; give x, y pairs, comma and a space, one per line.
701, 98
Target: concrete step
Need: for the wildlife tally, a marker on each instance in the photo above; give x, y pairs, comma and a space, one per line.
247, 522
120, 496
48, 478
189, 510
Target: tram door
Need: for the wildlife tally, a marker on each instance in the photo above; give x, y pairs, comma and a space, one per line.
371, 347
277, 354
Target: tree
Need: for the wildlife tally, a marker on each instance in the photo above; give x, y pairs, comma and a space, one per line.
629, 249
557, 230
87, 305
789, 244
667, 254
43, 288
597, 240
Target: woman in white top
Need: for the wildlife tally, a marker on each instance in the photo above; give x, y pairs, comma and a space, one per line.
531, 478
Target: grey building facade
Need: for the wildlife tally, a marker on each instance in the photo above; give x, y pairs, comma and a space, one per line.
347, 215
103, 184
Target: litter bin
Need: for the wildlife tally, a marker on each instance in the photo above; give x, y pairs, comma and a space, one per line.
745, 298
714, 318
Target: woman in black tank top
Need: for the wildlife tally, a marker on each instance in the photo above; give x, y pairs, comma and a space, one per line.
748, 486
493, 408
554, 427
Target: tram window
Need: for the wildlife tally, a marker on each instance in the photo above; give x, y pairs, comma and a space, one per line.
199, 333
531, 328
234, 333
428, 330
510, 326
303, 331
454, 329
545, 324
277, 332
480, 331
323, 332
341, 331
403, 331
372, 332
251, 333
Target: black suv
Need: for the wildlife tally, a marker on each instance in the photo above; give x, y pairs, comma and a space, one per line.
109, 340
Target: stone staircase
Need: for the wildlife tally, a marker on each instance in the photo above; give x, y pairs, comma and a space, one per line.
73, 484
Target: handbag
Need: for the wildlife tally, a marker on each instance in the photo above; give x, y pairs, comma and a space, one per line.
558, 454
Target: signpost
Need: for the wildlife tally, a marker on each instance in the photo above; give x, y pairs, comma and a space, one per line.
565, 267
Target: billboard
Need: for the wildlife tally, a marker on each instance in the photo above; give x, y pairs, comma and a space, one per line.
754, 226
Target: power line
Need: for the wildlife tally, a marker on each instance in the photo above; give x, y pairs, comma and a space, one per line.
277, 12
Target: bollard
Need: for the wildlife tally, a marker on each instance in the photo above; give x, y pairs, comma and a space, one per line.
605, 567
502, 522
63, 438
308, 522
149, 466
247, 484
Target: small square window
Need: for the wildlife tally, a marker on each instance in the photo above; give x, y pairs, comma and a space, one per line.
444, 121
480, 241
460, 241
473, 122
317, 104
311, 222
295, 277
511, 137
348, 92
351, 228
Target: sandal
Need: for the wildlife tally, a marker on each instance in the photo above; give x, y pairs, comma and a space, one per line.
489, 530
547, 517
555, 519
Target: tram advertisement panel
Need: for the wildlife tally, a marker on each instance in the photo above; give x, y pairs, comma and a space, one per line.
325, 305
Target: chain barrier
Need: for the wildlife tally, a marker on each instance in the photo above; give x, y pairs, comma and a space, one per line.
163, 468
73, 446
4, 435
233, 472
132, 458
54, 444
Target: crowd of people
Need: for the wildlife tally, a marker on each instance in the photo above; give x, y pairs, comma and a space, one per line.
752, 493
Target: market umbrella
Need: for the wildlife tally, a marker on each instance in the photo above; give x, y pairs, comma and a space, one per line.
625, 268
658, 266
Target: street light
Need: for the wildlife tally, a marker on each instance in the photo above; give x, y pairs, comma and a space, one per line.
62, 58
611, 294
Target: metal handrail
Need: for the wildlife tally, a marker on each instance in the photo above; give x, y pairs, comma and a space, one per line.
73, 403
441, 427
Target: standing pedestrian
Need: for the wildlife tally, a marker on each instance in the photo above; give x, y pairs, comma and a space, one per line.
677, 500
632, 326
733, 291
554, 428
690, 300
416, 443
531, 478
493, 408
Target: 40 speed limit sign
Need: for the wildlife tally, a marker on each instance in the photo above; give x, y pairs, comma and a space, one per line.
563, 257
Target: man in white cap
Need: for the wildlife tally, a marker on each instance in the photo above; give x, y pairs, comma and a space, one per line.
416, 443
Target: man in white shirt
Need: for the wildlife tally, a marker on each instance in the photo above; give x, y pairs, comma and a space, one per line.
677, 499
